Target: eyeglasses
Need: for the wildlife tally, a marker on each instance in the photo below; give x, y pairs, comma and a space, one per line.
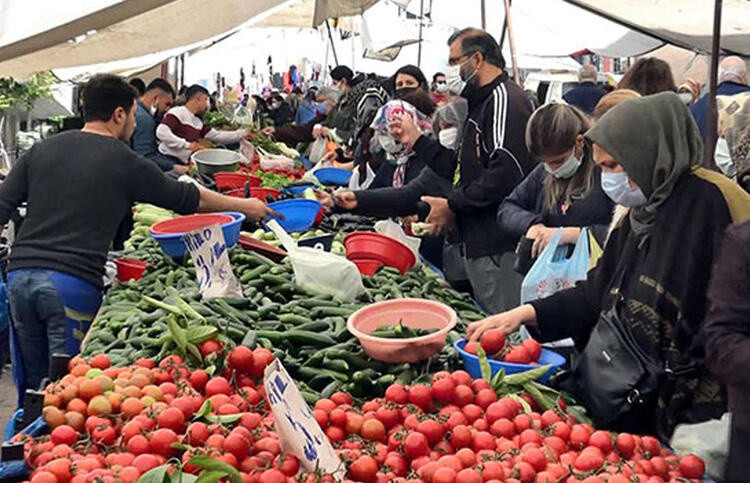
457, 60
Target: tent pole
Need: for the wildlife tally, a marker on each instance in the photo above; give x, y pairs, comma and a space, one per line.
333, 47
419, 47
712, 120
505, 27
509, 23
484, 16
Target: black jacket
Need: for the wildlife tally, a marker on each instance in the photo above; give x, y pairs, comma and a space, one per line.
664, 294
584, 96
524, 207
384, 175
493, 160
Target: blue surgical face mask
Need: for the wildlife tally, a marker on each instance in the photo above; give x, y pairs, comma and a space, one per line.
723, 158
617, 187
567, 169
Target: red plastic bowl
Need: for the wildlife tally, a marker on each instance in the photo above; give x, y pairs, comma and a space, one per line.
185, 224
267, 250
261, 193
368, 267
364, 245
226, 181
130, 269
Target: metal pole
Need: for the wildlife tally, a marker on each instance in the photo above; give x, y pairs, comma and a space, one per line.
712, 120
505, 28
419, 46
333, 47
484, 16
509, 23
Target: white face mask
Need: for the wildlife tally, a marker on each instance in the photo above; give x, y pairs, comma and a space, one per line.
389, 144
567, 169
443, 87
152, 110
456, 84
723, 158
617, 187
448, 137
686, 98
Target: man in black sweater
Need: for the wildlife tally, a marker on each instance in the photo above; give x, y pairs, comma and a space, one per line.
78, 185
492, 160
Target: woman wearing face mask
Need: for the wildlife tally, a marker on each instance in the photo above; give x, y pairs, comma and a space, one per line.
564, 190
433, 180
400, 165
653, 275
281, 113
408, 79
732, 153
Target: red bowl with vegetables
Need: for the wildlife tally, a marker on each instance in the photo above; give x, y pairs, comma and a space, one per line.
364, 245
227, 181
186, 224
412, 313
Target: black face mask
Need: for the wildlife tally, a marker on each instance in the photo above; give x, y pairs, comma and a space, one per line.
403, 91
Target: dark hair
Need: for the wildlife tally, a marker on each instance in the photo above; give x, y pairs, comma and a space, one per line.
648, 76
104, 93
162, 85
413, 71
139, 85
195, 90
475, 40
436, 75
421, 100
342, 72
296, 90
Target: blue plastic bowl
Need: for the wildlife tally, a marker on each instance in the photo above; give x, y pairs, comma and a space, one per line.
333, 176
471, 363
299, 214
298, 189
173, 245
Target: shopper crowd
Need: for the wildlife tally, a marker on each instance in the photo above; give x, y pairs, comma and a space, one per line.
497, 181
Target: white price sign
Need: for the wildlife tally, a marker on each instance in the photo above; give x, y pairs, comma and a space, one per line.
299, 432
208, 249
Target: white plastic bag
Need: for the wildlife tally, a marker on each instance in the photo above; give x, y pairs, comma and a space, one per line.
247, 150
272, 161
709, 440
320, 271
317, 150
355, 183
392, 229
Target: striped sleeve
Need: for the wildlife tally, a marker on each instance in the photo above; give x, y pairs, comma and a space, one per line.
496, 121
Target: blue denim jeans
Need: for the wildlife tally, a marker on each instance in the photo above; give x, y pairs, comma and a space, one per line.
42, 303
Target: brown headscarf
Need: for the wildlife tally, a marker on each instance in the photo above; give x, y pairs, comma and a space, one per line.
656, 141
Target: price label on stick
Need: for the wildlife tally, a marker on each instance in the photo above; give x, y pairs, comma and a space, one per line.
208, 249
299, 432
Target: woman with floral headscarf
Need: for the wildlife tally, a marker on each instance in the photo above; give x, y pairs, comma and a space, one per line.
732, 154
653, 275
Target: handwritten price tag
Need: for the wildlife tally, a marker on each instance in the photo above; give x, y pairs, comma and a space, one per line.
299, 433
208, 249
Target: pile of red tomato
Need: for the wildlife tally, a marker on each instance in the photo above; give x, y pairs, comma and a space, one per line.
111, 425
496, 347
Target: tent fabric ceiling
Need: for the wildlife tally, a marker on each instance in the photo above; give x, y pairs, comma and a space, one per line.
684, 23
170, 24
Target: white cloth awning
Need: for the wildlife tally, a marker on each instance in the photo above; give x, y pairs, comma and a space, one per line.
121, 30
684, 23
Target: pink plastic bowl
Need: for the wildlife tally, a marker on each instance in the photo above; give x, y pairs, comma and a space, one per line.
416, 313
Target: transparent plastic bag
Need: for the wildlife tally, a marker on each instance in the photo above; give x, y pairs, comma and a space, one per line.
320, 271
355, 183
317, 150
709, 440
392, 229
272, 161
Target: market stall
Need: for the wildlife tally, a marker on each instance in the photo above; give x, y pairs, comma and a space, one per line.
286, 380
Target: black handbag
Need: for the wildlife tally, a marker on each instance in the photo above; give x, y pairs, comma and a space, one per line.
615, 379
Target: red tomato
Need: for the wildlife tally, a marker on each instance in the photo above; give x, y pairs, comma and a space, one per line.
432, 429
533, 348
64, 434
209, 347
461, 377
625, 444
485, 397
602, 440
535, 457
416, 444
241, 359
272, 476
492, 341
287, 464
503, 428
483, 440
651, 446
171, 418
161, 442
217, 385
388, 416
469, 475
588, 460
463, 395
364, 469
443, 389
461, 437
444, 475
341, 398
420, 395
502, 409
579, 436
517, 355
261, 358
396, 393
471, 347
692, 466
